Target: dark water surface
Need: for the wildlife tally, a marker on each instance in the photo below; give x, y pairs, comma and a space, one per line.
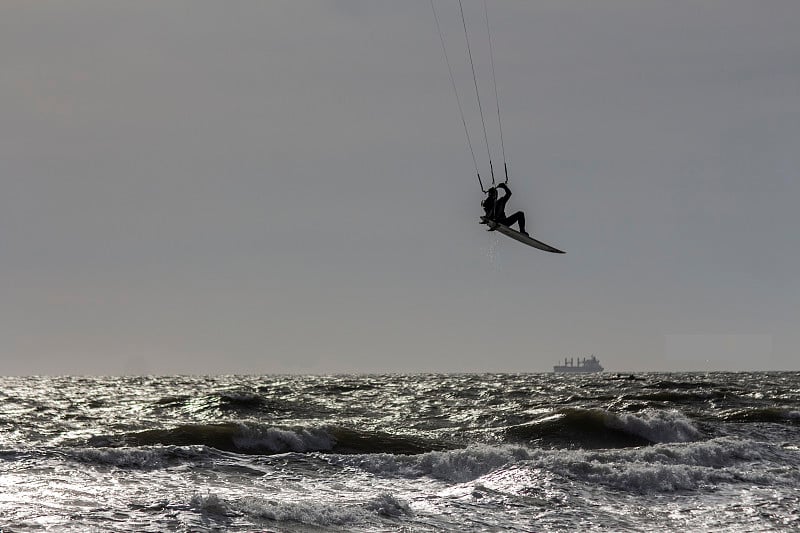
489, 452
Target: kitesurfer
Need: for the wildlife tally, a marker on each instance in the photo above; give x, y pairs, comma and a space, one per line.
489, 203
495, 208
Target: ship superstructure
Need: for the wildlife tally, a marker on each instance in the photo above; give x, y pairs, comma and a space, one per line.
587, 365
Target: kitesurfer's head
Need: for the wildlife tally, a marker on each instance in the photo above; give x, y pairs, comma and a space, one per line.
492, 192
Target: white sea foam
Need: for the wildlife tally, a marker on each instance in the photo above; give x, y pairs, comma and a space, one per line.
385, 504
306, 512
319, 513
209, 503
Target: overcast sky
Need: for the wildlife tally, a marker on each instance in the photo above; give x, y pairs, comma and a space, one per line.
285, 186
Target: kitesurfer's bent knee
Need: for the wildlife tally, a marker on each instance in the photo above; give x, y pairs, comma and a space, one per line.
519, 218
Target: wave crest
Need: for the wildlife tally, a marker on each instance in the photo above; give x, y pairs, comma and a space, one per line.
257, 439
457, 466
767, 414
657, 468
597, 428
323, 514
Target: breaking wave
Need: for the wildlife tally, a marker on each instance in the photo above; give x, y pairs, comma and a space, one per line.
309, 512
458, 466
269, 440
673, 396
597, 428
239, 400
767, 414
682, 385
143, 458
657, 468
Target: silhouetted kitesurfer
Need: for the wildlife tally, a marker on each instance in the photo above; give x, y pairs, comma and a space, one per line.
495, 208
489, 203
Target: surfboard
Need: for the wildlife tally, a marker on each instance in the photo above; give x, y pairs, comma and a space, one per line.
521, 237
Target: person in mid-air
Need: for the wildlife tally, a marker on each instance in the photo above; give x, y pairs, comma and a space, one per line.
489, 203
495, 208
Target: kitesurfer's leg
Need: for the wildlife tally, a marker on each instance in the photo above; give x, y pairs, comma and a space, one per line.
519, 218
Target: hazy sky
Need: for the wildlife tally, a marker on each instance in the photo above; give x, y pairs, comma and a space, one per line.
285, 186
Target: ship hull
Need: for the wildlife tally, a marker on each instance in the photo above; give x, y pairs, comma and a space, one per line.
575, 370
589, 365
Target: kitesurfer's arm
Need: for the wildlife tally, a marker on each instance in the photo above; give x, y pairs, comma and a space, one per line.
500, 204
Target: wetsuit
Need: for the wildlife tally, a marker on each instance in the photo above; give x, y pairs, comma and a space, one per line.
496, 210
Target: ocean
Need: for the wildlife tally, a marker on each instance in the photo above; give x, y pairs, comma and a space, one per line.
374, 453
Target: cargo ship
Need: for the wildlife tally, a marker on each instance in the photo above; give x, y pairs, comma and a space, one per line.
588, 365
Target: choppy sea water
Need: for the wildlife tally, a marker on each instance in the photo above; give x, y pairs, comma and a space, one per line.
505, 452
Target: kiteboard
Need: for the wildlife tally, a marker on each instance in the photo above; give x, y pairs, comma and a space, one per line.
521, 237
